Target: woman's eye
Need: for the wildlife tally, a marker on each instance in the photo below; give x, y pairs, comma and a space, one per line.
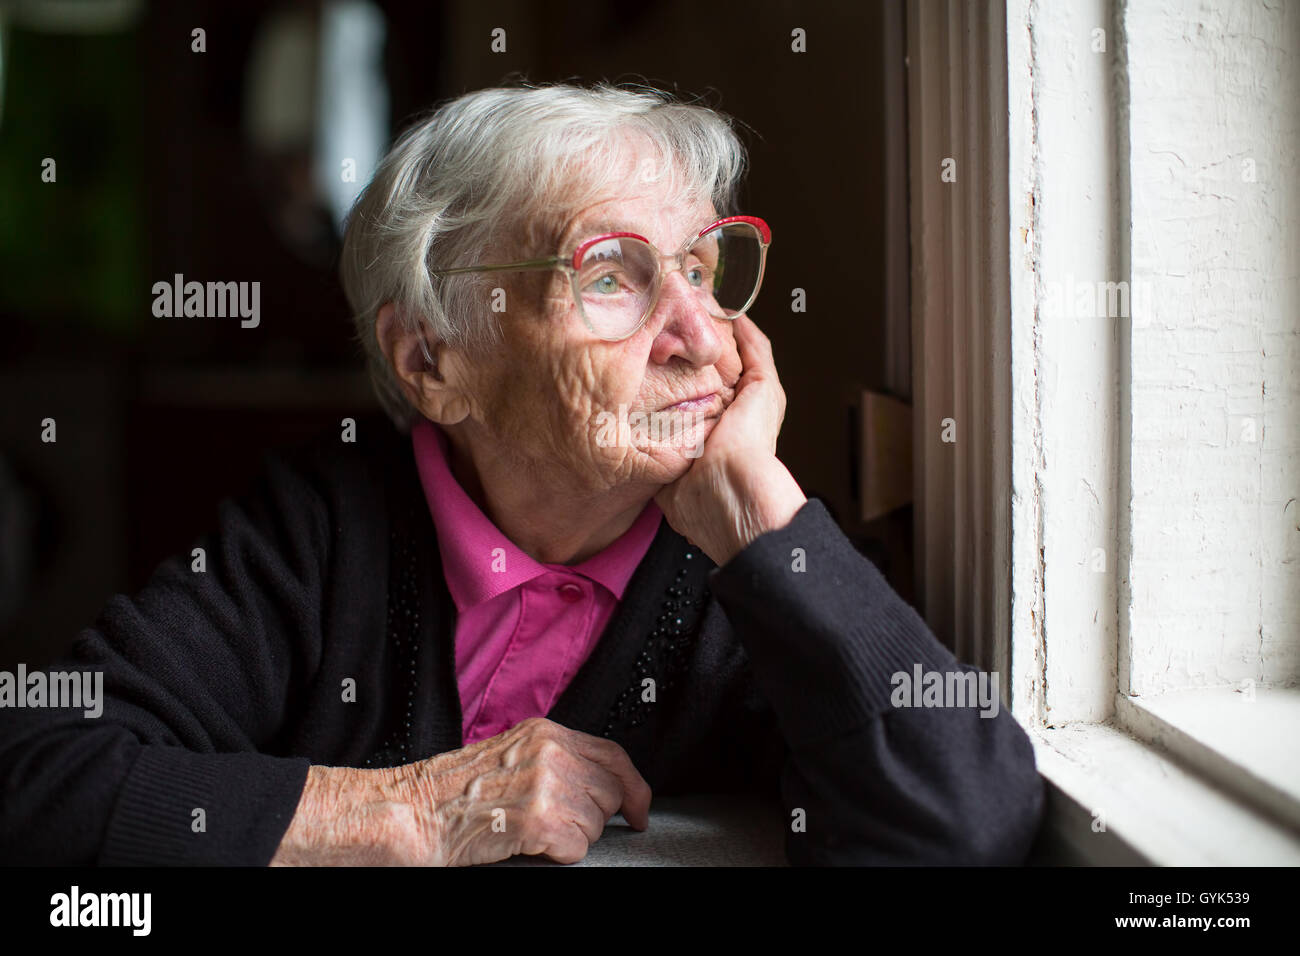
697, 276
606, 284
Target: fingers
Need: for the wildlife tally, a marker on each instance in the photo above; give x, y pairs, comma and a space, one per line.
603, 788
562, 825
758, 363
574, 798
579, 810
633, 790
539, 788
754, 348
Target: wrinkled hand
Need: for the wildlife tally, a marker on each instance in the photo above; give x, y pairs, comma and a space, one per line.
555, 789
738, 489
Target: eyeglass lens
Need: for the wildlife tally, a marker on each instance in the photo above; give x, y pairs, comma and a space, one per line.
617, 278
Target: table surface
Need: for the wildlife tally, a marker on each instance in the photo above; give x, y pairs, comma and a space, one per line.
704, 830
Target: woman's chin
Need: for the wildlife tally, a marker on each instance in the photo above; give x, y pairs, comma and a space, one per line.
669, 460
657, 458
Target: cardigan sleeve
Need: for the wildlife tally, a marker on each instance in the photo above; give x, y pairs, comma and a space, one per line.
197, 673
877, 783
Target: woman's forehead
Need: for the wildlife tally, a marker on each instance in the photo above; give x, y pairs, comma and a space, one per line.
630, 186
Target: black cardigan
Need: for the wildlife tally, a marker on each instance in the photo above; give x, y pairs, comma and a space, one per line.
222, 686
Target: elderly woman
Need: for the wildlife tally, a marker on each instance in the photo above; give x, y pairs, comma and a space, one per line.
573, 573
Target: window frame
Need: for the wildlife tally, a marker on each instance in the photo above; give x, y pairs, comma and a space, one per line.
1003, 541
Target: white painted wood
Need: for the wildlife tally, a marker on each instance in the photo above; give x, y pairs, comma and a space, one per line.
1168, 815
1243, 739
1028, 652
1065, 365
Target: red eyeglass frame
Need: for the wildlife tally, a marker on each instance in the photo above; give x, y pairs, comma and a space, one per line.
572, 265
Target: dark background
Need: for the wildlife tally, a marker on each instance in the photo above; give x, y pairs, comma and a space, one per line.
159, 418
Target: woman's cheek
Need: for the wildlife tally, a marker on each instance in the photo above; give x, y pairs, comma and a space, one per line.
620, 385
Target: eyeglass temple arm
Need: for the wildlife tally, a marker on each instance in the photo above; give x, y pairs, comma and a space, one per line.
548, 263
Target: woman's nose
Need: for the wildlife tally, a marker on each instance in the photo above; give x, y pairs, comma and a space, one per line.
688, 331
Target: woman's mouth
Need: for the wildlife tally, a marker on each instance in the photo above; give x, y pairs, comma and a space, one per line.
699, 403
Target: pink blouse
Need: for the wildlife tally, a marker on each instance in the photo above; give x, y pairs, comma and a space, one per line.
523, 628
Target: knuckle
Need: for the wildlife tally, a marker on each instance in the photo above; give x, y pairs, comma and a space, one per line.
540, 810
543, 781
549, 751
542, 729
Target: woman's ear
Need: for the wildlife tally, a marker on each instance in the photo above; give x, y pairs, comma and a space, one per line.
426, 376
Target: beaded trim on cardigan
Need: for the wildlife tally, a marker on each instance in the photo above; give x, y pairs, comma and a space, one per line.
403, 629
663, 656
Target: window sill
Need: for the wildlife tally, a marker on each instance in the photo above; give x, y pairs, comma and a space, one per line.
1115, 800
1244, 742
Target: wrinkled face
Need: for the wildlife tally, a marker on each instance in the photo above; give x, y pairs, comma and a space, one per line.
591, 415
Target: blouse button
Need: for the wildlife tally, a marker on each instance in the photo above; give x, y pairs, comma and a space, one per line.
570, 593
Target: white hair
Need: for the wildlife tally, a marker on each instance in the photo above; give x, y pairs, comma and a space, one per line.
507, 162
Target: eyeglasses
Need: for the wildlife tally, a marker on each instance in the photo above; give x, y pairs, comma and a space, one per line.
617, 277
